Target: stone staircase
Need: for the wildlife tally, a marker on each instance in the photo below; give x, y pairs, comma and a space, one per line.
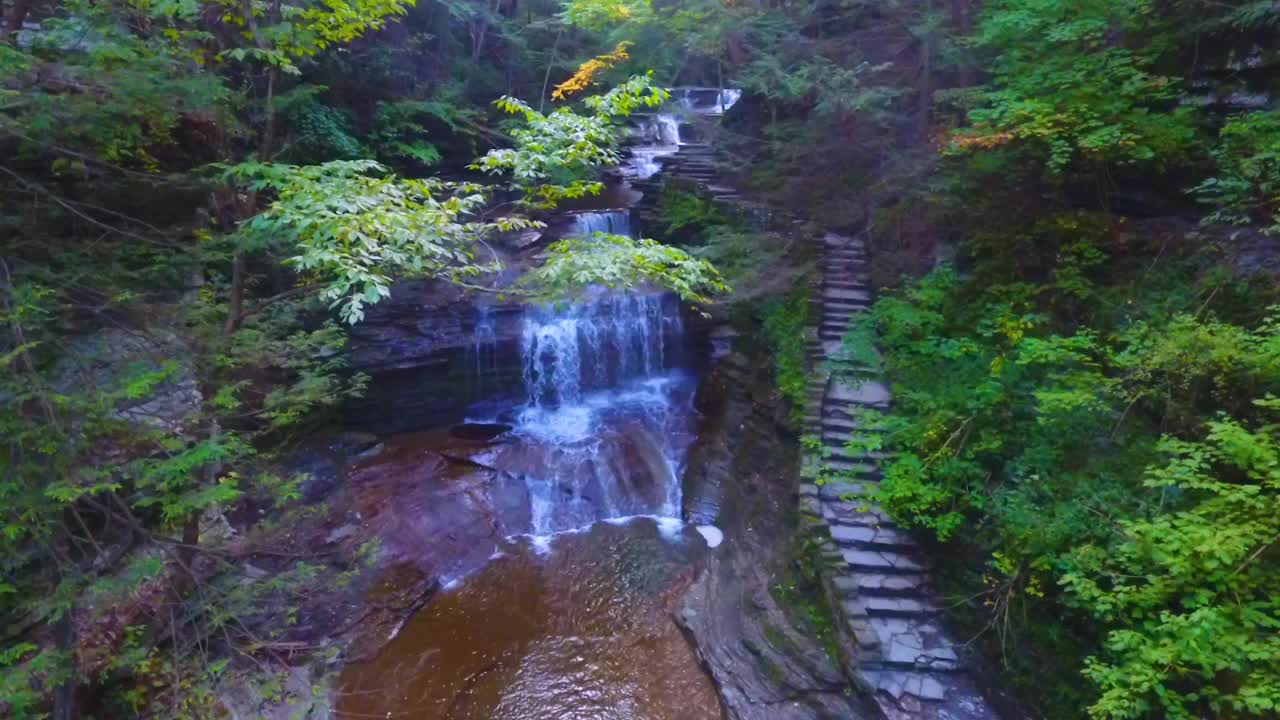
901, 653
895, 646
694, 164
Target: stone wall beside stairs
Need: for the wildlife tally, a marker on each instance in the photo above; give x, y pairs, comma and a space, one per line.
877, 579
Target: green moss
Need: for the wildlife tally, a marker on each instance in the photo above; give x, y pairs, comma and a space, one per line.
800, 593
784, 327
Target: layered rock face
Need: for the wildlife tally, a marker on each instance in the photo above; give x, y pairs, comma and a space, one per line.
431, 351
741, 479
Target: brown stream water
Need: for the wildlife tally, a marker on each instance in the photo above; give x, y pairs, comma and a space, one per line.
583, 631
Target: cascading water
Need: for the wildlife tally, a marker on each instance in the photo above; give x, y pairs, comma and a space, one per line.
658, 136
483, 355
707, 101
614, 222
570, 617
606, 420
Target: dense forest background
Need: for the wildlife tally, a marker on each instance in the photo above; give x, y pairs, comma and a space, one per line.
1071, 206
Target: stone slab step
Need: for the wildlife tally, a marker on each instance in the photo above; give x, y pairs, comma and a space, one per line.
837, 423
871, 538
834, 240
840, 316
837, 432
874, 457
880, 561
846, 294
908, 584
854, 513
840, 284
836, 491
852, 308
900, 684
919, 644
846, 466
844, 410
870, 392
899, 607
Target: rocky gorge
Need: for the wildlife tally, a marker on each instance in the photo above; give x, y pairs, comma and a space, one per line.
593, 510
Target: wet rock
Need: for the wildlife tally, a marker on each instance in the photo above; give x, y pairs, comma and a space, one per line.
741, 478
443, 517
430, 350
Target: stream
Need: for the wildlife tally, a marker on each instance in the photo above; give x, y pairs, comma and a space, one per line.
572, 613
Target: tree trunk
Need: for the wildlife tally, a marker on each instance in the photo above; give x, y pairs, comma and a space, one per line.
17, 16
66, 697
962, 18
924, 101
235, 305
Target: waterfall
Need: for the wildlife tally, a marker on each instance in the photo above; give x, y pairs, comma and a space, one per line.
728, 98
607, 416
657, 136
571, 351
614, 222
483, 354
667, 130
707, 101
661, 129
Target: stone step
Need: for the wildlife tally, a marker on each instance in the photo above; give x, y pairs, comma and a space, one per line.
834, 240
931, 688
872, 538
846, 271
839, 453
892, 585
855, 512
909, 609
832, 404
844, 321
834, 433
885, 562
830, 284
913, 643
898, 607
834, 446
851, 307
851, 312
840, 411
848, 466
846, 294
837, 491
870, 392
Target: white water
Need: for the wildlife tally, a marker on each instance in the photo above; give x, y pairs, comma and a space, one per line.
658, 136
707, 101
608, 417
614, 222
483, 356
